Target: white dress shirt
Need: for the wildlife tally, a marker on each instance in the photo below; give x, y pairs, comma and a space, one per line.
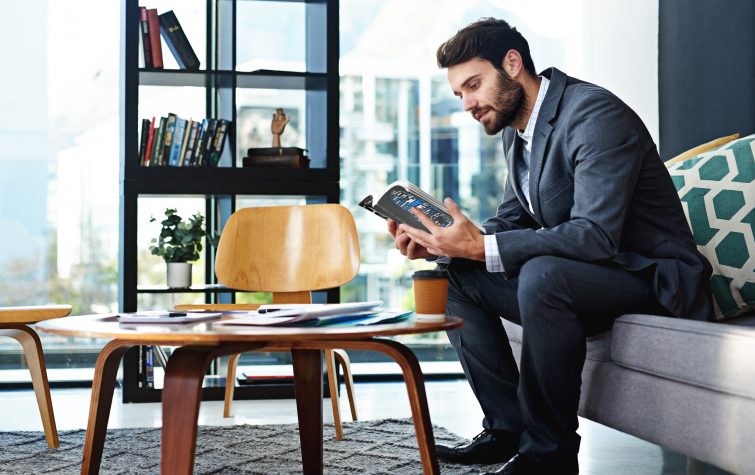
493, 261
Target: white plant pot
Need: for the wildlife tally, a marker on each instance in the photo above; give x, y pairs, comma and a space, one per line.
179, 275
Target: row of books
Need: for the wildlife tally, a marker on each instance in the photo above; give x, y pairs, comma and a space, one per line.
177, 142
152, 26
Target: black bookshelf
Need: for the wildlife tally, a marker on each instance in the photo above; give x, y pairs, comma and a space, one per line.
220, 79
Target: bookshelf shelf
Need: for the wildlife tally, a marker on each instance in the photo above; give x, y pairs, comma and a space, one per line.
225, 79
222, 80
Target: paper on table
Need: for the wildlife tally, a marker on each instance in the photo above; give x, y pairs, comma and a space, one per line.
301, 319
307, 311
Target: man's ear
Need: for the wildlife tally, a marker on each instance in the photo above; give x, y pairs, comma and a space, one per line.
512, 63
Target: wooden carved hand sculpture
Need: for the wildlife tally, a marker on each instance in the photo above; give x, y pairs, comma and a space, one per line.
278, 125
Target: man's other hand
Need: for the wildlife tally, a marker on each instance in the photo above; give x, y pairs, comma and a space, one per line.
405, 244
461, 239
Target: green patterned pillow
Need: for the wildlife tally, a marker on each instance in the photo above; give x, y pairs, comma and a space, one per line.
717, 189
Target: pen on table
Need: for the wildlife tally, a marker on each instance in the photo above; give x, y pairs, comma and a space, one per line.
268, 310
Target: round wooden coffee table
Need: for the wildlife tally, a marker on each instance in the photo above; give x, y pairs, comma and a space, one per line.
200, 343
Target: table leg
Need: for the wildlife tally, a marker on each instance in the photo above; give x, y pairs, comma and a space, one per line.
181, 396
415, 385
103, 385
308, 386
35, 359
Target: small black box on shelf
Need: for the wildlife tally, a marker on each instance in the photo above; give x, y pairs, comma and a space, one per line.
291, 157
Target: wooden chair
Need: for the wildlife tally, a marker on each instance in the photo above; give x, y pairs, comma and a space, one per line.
14, 323
290, 251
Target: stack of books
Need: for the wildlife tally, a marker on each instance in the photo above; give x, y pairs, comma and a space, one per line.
152, 26
177, 142
292, 157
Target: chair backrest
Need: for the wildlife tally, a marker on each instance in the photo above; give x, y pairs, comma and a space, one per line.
288, 250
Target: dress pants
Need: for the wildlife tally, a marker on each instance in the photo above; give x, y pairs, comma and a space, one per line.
558, 302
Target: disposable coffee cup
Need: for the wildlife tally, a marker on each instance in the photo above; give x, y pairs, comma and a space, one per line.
430, 293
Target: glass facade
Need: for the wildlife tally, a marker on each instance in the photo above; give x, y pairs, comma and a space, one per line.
398, 121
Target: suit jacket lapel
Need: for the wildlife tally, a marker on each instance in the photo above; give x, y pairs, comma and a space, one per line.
543, 129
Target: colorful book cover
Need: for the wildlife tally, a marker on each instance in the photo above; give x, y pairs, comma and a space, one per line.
170, 127
188, 154
218, 142
154, 38
177, 42
158, 146
144, 29
185, 142
175, 148
150, 142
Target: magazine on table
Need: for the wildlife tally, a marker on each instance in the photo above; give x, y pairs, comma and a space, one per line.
356, 313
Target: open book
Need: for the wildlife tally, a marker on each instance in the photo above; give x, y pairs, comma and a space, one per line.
401, 196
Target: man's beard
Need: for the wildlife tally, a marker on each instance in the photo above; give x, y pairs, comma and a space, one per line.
508, 104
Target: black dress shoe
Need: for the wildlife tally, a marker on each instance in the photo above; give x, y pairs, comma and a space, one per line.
487, 447
522, 465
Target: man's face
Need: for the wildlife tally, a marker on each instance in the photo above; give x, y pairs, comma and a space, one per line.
489, 94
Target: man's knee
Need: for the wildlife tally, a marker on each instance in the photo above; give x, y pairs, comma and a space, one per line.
541, 279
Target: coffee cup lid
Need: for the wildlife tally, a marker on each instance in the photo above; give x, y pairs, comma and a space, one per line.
430, 274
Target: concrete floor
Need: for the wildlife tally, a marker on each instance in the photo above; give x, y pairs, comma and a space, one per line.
604, 451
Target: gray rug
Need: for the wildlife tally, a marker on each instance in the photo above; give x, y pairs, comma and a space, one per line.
377, 447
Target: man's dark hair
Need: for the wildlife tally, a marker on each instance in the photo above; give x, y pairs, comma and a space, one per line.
488, 39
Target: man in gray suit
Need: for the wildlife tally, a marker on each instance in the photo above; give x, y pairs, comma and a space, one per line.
590, 228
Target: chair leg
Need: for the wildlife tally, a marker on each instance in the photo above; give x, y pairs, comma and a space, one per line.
35, 359
330, 363
348, 379
230, 383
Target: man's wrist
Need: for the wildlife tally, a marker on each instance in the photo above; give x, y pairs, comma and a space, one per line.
479, 250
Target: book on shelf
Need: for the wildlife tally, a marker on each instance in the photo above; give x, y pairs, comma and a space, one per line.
143, 137
174, 157
218, 142
291, 157
156, 49
401, 196
206, 144
177, 42
150, 141
170, 128
190, 138
147, 366
157, 146
144, 30
177, 142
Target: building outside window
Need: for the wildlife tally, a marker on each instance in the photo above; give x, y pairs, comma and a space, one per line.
398, 121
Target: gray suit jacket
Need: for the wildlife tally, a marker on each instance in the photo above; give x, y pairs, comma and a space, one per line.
599, 193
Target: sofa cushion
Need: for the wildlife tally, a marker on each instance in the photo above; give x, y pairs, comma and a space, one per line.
717, 356
693, 152
717, 190
598, 346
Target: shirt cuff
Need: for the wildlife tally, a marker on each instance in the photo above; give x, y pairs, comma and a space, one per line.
492, 255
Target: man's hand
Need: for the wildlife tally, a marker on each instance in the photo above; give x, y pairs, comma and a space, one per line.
461, 239
404, 243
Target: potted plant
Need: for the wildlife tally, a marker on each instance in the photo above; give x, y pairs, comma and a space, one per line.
179, 244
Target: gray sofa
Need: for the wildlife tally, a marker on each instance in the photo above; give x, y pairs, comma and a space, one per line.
688, 386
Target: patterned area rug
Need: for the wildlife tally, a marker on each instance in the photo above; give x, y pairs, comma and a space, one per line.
385, 446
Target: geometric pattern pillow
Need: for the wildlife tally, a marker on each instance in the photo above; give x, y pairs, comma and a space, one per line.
717, 190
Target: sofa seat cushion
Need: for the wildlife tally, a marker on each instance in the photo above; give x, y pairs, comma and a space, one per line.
598, 346
716, 356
